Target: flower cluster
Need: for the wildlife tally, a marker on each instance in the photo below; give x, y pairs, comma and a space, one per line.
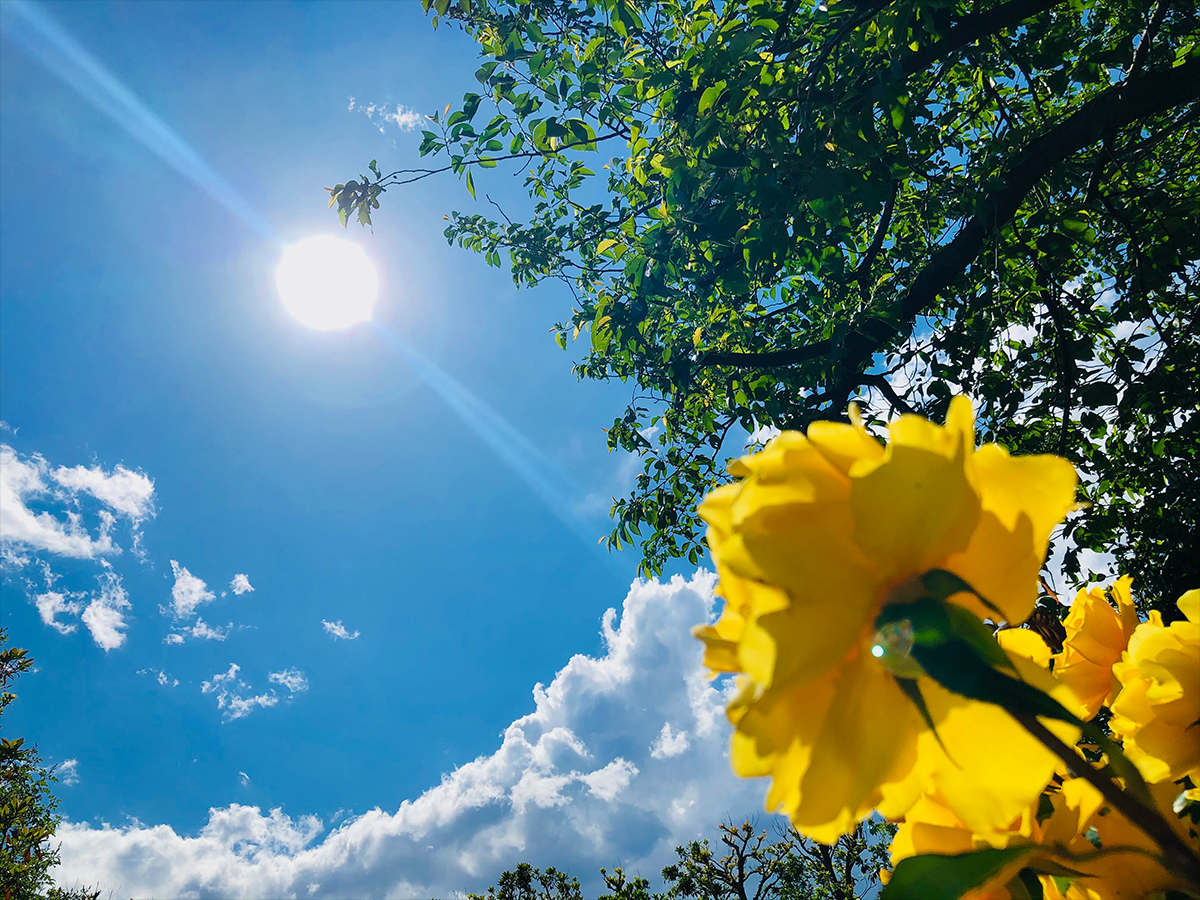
857, 575
819, 534
1072, 819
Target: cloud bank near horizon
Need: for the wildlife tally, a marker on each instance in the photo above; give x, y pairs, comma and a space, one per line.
624, 757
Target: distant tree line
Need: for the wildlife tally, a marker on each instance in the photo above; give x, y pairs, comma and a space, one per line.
749, 867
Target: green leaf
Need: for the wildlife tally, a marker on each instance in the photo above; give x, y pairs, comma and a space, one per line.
709, 97
941, 877
470, 184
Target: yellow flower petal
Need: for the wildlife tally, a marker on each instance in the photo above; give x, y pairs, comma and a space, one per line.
1096, 636
914, 511
1022, 500
867, 738
1025, 643
1158, 706
989, 782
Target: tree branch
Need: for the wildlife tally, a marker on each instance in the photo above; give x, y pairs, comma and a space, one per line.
1115, 108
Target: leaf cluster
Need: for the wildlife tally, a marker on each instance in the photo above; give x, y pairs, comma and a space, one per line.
767, 208
27, 807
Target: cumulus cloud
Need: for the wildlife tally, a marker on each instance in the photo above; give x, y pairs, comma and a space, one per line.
669, 743
292, 679
338, 630
188, 592
573, 784
381, 113
240, 585
67, 772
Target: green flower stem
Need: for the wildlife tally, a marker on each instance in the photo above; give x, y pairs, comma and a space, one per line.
1177, 854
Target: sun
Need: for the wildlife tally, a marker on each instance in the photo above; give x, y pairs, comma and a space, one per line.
327, 283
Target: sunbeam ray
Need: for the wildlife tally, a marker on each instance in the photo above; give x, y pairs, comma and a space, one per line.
546, 478
30, 28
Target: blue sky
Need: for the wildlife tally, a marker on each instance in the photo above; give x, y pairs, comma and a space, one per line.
167, 424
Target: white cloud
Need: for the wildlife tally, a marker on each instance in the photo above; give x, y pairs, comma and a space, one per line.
204, 631
51, 604
221, 678
23, 481
573, 784
104, 617
129, 493
243, 779
669, 743
188, 592
173, 638
227, 686
67, 772
292, 679
401, 116
240, 584
338, 630
166, 680
238, 707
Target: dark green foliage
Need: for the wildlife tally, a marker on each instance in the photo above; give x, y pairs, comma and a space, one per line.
893, 202
27, 816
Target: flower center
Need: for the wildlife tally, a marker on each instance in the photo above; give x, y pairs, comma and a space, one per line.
892, 645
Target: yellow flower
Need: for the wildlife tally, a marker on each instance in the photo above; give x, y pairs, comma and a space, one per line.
1096, 638
930, 826
1157, 712
1078, 820
1125, 875
819, 533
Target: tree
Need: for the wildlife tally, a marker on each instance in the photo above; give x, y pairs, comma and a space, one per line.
790, 868
27, 808
528, 883
889, 201
752, 868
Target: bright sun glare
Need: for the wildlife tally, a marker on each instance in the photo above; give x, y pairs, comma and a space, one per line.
327, 283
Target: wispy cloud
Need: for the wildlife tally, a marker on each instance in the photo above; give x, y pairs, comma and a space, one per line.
338, 630
292, 679
52, 604
243, 779
229, 688
217, 682
26, 480
161, 677
382, 113
67, 772
188, 592
129, 493
206, 632
240, 585
105, 616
